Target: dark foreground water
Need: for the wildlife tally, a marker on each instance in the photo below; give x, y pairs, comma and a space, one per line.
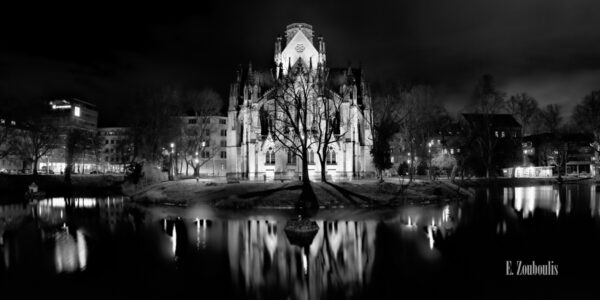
105, 248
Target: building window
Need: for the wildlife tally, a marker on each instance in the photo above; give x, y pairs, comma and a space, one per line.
223, 154
291, 158
206, 143
206, 121
223, 132
192, 121
205, 154
270, 157
496, 133
223, 143
206, 132
503, 134
331, 157
451, 150
106, 142
223, 121
112, 141
77, 111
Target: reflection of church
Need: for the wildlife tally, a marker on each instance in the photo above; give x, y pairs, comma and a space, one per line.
251, 149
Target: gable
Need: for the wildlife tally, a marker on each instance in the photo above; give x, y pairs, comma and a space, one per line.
299, 47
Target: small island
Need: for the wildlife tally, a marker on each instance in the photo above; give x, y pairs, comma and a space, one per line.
247, 195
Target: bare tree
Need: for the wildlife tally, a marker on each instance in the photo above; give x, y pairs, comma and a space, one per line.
195, 132
78, 144
291, 122
587, 115
550, 118
421, 119
386, 122
153, 125
486, 101
36, 139
326, 119
524, 108
6, 138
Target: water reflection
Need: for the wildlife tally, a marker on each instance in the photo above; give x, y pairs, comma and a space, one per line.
354, 253
262, 259
526, 200
60, 226
70, 252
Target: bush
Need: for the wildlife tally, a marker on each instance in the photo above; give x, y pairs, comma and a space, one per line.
403, 169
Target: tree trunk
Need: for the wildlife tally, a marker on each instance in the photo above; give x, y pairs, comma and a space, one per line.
196, 171
305, 179
322, 161
34, 167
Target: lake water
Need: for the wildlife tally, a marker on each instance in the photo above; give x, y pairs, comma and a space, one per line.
107, 248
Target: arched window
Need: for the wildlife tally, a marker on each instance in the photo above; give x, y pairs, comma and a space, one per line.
291, 158
270, 157
330, 159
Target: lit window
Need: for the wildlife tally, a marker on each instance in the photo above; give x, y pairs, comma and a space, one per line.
451, 150
503, 135
77, 111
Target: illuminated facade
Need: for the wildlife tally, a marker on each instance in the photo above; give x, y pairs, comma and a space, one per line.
70, 114
253, 153
116, 149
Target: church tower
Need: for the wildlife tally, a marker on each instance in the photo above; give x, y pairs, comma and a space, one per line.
253, 152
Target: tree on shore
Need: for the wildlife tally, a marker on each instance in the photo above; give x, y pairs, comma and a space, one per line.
194, 140
326, 119
486, 101
524, 108
153, 128
7, 139
385, 124
78, 144
289, 115
586, 114
549, 118
37, 138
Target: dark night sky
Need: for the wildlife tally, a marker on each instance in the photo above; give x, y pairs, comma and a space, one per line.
106, 53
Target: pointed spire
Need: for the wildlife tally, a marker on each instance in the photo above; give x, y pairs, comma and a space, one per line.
250, 74
280, 70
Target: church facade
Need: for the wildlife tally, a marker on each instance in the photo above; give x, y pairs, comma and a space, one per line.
256, 152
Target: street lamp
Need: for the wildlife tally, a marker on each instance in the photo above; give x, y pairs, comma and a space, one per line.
172, 168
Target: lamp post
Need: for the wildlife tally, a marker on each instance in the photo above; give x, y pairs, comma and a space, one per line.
171, 166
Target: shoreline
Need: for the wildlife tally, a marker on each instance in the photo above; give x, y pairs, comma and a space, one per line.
55, 185
284, 196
